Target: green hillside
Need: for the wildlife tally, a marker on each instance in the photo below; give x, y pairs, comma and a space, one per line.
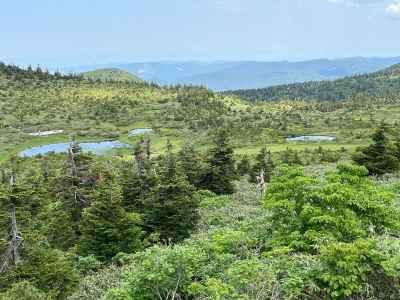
33, 101
213, 203
111, 74
384, 83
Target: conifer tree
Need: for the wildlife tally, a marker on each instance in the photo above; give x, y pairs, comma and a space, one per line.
221, 172
106, 228
291, 157
138, 179
72, 189
244, 166
171, 212
380, 157
263, 163
191, 164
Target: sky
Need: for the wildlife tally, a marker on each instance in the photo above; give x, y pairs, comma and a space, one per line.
84, 32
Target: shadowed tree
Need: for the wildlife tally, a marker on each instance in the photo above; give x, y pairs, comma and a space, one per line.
244, 166
263, 164
191, 164
380, 157
171, 212
221, 172
138, 179
106, 228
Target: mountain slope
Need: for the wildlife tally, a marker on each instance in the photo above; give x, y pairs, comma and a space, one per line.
250, 75
33, 101
225, 75
111, 74
385, 83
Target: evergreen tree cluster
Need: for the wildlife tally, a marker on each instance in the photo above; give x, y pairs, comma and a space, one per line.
379, 84
75, 211
383, 155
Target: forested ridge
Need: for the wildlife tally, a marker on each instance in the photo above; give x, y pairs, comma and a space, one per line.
232, 75
384, 83
110, 74
213, 203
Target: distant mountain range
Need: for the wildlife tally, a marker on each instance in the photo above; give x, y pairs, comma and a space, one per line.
225, 75
384, 83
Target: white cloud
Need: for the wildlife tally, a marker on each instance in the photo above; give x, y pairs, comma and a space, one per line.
393, 9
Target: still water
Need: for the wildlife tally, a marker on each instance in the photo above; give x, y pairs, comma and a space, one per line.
94, 147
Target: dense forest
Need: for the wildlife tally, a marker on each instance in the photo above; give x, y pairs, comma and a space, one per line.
384, 83
214, 203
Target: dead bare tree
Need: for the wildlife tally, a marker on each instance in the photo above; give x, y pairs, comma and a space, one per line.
72, 150
11, 256
261, 185
12, 179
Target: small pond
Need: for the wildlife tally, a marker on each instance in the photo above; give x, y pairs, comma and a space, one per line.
94, 147
139, 131
311, 138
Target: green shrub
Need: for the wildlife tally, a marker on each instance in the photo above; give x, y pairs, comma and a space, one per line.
160, 272
348, 205
23, 290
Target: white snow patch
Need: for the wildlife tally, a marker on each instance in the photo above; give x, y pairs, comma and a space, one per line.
139, 131
46, 133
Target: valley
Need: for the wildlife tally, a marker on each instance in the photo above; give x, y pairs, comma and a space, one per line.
200, 150
95, 110
124, 189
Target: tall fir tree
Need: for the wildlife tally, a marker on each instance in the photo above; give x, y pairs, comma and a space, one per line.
172, 211
221, 173
380, 157
72, 190
138, 178
106, 228
191, 164
244, 166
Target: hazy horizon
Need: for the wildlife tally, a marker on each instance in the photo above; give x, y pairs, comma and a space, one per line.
77, 33
55, 67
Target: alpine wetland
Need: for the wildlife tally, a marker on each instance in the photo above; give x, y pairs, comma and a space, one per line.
200, 150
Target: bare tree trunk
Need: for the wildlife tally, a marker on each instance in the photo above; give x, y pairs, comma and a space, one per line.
71, 154
12, 179
261, 182
11, 255
15, 237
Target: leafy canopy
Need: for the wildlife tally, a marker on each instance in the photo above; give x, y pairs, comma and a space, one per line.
307, 213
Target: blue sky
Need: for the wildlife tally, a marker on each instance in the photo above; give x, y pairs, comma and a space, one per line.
80, 32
